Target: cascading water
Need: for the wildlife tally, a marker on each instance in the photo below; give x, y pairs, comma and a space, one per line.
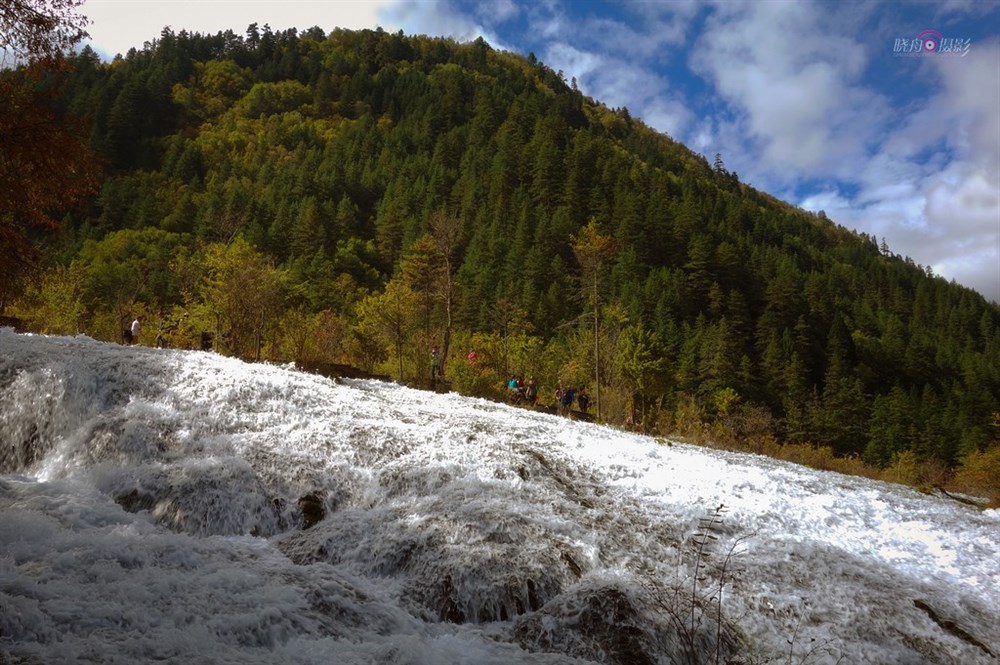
182, 506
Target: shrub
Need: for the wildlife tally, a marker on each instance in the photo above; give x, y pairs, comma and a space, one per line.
979, 474
905, 469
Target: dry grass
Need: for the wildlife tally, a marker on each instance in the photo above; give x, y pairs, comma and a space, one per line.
979, 475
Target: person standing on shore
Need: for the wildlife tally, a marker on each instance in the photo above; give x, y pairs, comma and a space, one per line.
136, 329
436, 367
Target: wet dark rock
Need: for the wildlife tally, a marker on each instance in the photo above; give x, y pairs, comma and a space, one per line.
224, 498
135, 501
603, 625
512, 599
571, 563
313, 509
952, 627
618, 625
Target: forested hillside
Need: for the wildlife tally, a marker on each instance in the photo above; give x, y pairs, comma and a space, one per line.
360, 197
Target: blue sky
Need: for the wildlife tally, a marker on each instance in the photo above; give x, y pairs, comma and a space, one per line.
813, 102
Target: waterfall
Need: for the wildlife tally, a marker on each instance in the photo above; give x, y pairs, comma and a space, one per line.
183, 506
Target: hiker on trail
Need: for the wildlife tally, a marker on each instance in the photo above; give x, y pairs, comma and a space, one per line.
567, 400
583, 399
531, 391
514, 388
435, 364
135, 329
472, 357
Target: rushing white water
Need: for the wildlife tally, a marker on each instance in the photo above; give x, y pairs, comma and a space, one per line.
183, 507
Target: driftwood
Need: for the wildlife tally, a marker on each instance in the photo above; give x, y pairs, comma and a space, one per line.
977, 502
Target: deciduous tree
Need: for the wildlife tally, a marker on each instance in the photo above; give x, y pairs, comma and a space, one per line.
640, 362
39, 29
246, 292
44, 166
391, 317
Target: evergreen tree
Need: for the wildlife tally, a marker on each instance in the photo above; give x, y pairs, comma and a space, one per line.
593, 249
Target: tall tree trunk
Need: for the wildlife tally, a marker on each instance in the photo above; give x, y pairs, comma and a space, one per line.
597, 353
448, 301
592, 250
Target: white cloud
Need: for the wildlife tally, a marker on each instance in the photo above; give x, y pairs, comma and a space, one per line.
967, 204
951, 225
547, 20
639, 43
581, 64
948, 221
794, 85
702, 136
666, 115
953, 198
499, 11
925, 177
668, 22
969, 101
621, 84
964, 216
430, 17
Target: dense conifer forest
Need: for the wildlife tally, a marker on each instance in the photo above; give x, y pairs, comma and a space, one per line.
362, 197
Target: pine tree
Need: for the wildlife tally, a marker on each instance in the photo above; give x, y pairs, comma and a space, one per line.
421, 270
446, 230
309, 234
593, 250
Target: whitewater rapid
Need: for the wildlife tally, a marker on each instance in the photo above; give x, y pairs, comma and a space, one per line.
172, 506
